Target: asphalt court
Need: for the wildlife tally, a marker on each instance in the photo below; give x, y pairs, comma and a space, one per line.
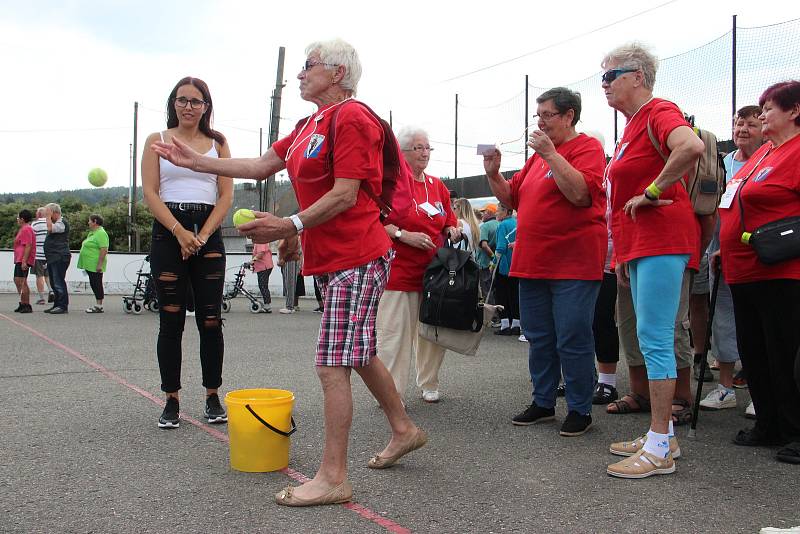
82, 452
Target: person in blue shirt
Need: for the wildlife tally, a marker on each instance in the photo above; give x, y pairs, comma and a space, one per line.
506, 287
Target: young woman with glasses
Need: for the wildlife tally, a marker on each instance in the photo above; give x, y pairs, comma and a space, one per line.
187, 246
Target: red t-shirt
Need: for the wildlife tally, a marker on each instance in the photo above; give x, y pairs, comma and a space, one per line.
657, 231
355, 236
555, 238
25, 236
410, 262
772, 192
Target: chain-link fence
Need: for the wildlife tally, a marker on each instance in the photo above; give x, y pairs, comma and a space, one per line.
700, 81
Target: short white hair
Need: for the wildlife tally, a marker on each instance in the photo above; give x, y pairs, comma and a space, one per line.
53, 207
406, 136
338, 52
637, 56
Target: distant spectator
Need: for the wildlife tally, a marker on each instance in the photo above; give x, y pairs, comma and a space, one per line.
262, 266
92, 259
487, 241
58, 256
24, 257
39, 226
468, 223
506, 286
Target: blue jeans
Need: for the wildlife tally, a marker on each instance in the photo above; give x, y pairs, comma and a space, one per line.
656, 292
57, 271
556, 317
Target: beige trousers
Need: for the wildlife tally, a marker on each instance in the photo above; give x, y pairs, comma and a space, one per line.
396, 325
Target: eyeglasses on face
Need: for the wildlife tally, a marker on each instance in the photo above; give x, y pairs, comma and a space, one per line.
309, 64
195, 103
547, 115
612, 74
421, 148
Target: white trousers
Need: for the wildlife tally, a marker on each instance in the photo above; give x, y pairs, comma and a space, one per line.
397, 325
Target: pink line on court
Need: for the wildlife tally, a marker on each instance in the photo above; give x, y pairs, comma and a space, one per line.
363, 511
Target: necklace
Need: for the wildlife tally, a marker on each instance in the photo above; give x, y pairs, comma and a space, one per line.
319, 116
640, 109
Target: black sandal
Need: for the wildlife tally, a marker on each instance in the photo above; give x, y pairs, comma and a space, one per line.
682, 416
603, 394
624, 406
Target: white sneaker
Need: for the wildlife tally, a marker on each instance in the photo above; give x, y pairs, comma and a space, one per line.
430, 396
287, 310
719, 399
750, 411
522, 338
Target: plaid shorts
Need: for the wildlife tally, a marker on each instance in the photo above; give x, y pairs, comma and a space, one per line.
347, 329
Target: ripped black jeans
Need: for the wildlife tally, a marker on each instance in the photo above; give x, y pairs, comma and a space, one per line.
206, 271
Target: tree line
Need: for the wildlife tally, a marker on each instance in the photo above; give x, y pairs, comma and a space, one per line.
76, 209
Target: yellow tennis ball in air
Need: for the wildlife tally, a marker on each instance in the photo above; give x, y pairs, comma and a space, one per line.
243, 216
98, 177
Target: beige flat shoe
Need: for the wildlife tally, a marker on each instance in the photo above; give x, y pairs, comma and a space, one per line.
341, 493
642, 465
379, 462
629, 448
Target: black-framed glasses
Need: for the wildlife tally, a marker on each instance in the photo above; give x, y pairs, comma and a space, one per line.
547, 115
195, 103
612, 74
309, 64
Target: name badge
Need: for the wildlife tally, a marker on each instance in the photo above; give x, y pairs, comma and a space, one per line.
730, 192
429, 208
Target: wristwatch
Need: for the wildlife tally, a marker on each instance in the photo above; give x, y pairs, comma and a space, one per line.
298, 224
398, 233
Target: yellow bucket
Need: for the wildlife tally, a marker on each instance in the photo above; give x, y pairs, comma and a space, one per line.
259, 425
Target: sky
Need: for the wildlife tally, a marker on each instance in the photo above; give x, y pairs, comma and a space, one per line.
72, 69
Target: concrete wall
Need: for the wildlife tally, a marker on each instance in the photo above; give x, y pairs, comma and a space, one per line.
120, 275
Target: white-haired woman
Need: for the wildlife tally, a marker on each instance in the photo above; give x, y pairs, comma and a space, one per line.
656, 236
344, 246
415, 244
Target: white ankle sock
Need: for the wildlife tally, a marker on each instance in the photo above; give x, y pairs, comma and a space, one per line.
515, 322
671, 430
504, 323
609, 379
657, 444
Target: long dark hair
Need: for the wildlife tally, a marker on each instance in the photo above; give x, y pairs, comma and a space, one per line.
205, 120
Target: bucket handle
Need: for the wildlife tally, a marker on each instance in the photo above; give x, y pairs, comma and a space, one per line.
276, 430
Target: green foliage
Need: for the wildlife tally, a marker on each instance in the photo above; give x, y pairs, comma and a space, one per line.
77, 212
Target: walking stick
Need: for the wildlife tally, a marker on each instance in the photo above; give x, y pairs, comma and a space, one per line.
717, 266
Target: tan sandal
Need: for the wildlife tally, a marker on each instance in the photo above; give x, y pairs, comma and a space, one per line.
629, 448
379, 462
642, 465
341, 493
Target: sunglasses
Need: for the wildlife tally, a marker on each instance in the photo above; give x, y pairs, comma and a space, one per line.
612, 74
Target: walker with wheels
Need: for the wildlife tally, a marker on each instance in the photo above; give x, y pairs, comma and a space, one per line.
238, 288
144, 293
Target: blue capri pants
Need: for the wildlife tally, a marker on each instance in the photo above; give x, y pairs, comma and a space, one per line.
656, 292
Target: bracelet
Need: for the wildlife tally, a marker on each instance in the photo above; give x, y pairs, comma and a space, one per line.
172, 230
653, 190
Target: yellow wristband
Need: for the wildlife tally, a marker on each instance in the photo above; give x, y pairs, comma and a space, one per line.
654, 190
746, 238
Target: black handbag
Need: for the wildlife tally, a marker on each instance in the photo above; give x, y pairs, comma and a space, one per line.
775, 241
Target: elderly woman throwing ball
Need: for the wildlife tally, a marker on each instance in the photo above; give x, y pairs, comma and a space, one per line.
345, 247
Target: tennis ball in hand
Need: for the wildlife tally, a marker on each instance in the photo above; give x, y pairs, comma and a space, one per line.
243, 216
98, 177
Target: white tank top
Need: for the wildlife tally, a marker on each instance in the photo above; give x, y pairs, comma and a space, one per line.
185, 185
